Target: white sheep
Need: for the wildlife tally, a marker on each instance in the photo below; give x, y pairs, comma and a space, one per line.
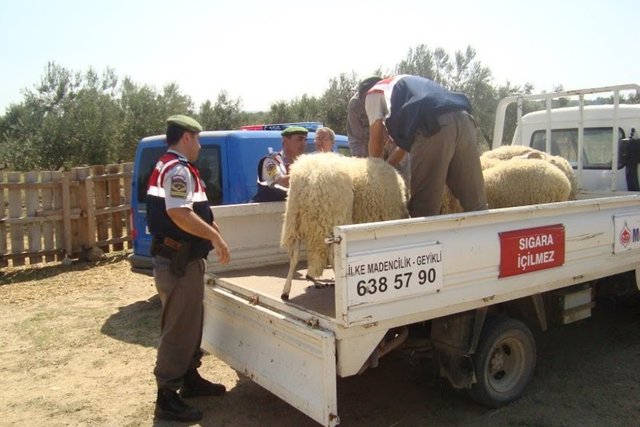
326, 190
520, 176
507, 152
520, 182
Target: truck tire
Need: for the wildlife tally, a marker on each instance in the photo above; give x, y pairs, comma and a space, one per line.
503, 362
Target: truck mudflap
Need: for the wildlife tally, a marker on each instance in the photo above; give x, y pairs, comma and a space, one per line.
294, 360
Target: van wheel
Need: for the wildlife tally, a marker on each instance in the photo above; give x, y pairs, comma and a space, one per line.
503, 362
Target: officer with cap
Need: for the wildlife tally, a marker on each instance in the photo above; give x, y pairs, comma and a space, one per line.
184, 231
273, 169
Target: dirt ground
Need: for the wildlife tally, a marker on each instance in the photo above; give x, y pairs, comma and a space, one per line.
78, 343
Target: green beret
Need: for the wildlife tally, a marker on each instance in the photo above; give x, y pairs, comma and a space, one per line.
185, 122
294, 130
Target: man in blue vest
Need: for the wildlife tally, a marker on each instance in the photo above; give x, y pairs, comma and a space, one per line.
435, 127
184, 231
273, 169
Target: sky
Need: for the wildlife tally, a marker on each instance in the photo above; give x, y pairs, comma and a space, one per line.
266, 51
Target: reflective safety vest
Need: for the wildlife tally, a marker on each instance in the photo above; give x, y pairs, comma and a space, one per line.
265, 192
159, 222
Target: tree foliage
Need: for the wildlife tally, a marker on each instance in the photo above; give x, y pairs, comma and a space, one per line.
334, 102
224, 114
72, 118
75, 118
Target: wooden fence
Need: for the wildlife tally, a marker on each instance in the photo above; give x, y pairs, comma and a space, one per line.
49, 216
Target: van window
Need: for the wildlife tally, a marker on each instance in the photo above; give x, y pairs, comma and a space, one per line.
211, 173
208, 163
564, 142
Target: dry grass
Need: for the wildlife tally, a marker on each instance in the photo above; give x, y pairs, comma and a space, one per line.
78, 343
31, 282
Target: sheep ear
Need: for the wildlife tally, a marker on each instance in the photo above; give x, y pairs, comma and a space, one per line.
531, 155
536, 155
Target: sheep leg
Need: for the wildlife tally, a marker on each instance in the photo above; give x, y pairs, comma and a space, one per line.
294, 256
323, 283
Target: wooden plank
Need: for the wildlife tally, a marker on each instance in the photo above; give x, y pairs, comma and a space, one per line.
115, 199
108, 176
90, 211
47, 206
79, 200
100, 202
58, 225
114, 240
49, 216
15, 211
66, 209
112, 210
32, 203
43, 252
26, 185
3, 228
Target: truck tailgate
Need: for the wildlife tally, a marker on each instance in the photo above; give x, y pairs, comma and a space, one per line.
287, 356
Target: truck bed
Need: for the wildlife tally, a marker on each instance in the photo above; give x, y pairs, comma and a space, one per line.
473, 264
393, 274
266, 283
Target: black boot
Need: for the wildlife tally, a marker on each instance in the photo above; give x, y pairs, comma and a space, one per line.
194, 385
169, 406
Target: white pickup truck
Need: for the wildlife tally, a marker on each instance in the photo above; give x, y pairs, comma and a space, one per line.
474, 282
584, 135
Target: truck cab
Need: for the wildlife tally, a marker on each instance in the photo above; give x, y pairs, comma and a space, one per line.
603, 159
228, 165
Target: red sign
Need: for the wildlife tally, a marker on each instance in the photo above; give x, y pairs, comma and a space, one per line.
532, 249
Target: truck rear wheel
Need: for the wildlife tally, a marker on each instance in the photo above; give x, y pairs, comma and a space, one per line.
503, 362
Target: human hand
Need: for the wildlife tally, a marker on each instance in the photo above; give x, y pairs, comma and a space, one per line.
222, 251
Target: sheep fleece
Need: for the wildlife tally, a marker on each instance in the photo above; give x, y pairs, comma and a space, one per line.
520, 182
519, 176
327, 189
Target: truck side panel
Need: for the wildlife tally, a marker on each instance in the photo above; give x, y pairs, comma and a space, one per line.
293, 360
252, 232
468, 273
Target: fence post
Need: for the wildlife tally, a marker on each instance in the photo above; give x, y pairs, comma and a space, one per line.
100, 202
56, 204
15, 211
32, 202
80, 197
47, 206
66, 214
90, 209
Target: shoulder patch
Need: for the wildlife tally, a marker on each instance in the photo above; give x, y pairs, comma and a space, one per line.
272, 169
178, 187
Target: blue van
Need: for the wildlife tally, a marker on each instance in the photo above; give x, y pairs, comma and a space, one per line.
228, 165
